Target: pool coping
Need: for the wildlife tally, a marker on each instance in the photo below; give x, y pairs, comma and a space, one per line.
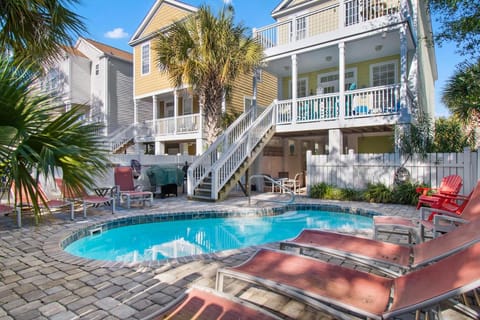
54, 246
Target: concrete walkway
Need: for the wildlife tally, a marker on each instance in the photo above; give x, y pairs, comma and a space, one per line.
37, 283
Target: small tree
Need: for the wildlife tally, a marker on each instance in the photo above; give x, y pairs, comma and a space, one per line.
450, 136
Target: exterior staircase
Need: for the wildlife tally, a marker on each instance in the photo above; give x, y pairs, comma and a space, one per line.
212, 176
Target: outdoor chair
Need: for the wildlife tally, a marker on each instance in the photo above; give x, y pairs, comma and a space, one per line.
125, 188
441, 220
83, 197
384, 255
295, 184
205, 303
450, 186
344, 292
23, 201
270, 183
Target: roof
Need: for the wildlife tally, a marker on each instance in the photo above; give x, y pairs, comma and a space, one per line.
74, 51
153, 11
111, 51
288, 5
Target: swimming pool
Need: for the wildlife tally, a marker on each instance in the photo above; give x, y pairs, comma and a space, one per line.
173, 239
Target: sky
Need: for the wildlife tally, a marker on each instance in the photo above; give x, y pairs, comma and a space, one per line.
113, 22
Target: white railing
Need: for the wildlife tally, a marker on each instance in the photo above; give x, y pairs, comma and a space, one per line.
223, 170
174, 125
121, 137
200, 169
375, 101
325, 20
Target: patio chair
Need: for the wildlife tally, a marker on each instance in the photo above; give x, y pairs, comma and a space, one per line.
270, 183
344, 292
24, 201
83, 197
450, 186
384, 255
204, 303
125, 188
294, 184
442, 220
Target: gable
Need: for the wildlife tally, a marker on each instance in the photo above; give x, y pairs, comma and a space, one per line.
162, 14
288, 5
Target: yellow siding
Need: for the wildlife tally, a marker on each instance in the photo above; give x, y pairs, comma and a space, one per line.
152, 82
266, 91
165, 16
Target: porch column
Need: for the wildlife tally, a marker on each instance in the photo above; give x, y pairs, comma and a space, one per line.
154, 113
404, 108
335, 142
159, 148
135, 124
341, 80
135, 111
175, 111
294, 88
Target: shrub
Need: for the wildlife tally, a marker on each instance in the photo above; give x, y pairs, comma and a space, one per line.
318, 191
352, 194
406, 193
378, 192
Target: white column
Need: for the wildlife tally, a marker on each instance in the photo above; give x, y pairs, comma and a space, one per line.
335, 142
341, 79
175, 110
154, 113
341, 14
159, 148
135, 124
404, 109
294, 88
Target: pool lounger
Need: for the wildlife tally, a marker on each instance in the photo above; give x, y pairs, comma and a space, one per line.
205, 303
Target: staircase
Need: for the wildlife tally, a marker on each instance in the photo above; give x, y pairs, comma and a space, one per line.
120, 140
212, 176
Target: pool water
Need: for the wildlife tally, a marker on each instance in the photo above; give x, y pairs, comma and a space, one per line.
173, 239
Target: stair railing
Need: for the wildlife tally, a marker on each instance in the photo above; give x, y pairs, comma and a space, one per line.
120, 137
200, 168
226, 167
281, 186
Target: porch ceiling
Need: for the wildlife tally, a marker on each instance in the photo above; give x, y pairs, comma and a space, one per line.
373, 47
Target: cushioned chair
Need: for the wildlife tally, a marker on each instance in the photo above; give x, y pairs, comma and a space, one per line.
343, 291
125, 188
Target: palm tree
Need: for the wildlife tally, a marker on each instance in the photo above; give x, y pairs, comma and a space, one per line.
37, 138
208, 53
35, 31
462, 96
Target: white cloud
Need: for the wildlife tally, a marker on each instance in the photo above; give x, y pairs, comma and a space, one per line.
117, 33
227, 1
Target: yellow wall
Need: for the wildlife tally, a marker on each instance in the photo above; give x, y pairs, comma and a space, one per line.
266, 91
363, 75
151, 82
376, 144
166, 15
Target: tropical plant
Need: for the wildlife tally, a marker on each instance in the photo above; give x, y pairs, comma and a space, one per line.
208, 53
462, 96
36, 139
378, 192
406, 193
318, 191
450, 136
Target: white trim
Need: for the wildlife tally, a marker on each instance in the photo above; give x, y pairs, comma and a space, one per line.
245, 98
149, 58
337, 87
151, 13
395, 62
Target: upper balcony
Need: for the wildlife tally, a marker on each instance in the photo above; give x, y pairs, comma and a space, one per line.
170, 128
339, 19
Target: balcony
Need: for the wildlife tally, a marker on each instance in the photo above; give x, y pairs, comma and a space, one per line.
361, 103
338, 16
179, 127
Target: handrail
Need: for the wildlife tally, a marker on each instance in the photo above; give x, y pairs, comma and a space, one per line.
280, 185
226, 166
120, 137
200, 169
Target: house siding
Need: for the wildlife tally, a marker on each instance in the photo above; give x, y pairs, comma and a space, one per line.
266, 91
120, 98
165, 16
80, 80
154, 81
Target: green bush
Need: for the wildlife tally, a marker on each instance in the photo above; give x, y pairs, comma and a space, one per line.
352, 195
318, 191
378, 192
406, 193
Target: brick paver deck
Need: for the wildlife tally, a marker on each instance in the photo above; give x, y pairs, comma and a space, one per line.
39, 281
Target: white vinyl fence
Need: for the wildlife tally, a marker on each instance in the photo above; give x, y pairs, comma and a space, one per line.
357, 170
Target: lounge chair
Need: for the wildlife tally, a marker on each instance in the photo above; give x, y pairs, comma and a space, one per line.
443, 220
450, 186
83, 197
343, 291
24, 201
294, 184
384, 255
125, 188
203, 303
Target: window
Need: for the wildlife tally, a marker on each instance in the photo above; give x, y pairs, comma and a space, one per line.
146, 58
329, 82
302, 87
247, 103
301, 24
382, 74
97, 69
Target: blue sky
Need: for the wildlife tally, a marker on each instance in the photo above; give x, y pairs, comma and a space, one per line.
114, 21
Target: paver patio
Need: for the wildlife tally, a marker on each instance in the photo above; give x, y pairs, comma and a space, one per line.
37, 283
